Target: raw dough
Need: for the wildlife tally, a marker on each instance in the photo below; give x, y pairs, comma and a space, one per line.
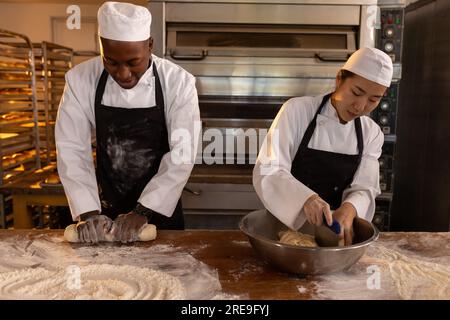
95, 281
297, 239
147, 233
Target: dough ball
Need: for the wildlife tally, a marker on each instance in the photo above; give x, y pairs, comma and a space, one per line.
70, 234
148, 232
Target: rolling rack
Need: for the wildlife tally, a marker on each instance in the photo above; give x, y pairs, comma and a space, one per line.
52, 63
19, 141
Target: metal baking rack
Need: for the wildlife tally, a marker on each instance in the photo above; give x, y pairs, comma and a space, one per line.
52, 63
19, 143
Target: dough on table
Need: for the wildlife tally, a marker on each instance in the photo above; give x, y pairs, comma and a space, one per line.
297, 238
147, 233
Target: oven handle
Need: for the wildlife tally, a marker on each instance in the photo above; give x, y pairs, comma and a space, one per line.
320, 58
200, 56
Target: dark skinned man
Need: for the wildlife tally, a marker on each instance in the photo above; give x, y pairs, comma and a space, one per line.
139, 106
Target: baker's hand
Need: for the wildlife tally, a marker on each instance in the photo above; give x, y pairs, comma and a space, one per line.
345, 215
93, 227
315, 209
127, 226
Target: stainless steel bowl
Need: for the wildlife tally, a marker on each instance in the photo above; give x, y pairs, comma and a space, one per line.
262, 229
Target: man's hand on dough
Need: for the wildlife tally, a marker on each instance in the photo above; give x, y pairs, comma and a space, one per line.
345, 215
93, 228
127, 226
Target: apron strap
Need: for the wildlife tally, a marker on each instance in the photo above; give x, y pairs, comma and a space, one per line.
312, 125
101, 87
359, 137
159, 97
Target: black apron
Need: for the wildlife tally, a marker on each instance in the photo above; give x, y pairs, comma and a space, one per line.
326, 173
130, 146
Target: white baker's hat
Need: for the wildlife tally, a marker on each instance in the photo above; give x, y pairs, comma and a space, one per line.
372, 64
123, 21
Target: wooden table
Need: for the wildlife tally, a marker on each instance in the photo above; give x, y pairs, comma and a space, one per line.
27, 192
242, 272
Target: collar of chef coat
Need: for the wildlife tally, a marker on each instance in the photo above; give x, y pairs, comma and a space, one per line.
142, 95
330, 112
332, 135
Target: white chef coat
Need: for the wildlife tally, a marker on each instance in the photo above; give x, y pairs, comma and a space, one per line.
281, 193
76, 121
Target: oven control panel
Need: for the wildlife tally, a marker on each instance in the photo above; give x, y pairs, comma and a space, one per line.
386, 162
386, 112
389, 37
381, 219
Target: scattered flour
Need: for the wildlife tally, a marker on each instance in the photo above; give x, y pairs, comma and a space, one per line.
36, 268
227, 296
51, 255
245, 269
414, 278
102, 281
401, 276
302, 289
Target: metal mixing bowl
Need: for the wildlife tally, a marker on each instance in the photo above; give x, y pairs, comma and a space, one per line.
262, 229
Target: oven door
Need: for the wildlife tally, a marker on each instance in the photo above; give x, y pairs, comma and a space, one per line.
260, 60
191, 41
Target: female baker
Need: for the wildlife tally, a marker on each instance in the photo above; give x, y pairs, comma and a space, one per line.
319, 161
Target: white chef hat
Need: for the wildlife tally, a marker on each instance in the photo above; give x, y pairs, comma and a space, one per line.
372, 64
123, 21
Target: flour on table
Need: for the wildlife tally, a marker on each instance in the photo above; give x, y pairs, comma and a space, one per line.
302, 289
414, 278
97, 281
52, 253
400, 276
